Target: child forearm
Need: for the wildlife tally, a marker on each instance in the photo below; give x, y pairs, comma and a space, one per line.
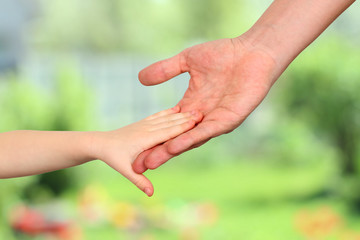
24, 152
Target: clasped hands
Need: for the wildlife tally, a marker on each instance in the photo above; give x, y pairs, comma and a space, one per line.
228, 80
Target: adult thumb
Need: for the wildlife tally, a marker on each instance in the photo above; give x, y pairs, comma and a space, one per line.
164, 70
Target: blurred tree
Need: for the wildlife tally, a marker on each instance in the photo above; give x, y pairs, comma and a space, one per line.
211, 19
156, 26
322, 89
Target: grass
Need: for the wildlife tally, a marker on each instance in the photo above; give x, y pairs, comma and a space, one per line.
199, 199
252, 200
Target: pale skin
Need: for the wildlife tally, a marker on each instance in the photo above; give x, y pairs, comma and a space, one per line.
25, 152
229, 78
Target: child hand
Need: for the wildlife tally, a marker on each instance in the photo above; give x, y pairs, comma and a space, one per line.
120, 147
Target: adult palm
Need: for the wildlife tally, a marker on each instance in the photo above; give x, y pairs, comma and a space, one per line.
229, 79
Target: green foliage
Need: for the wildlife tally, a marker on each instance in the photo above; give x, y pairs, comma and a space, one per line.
322, 90
212, 19
156, 26
323, 85
23, 106
67, 107
73, 103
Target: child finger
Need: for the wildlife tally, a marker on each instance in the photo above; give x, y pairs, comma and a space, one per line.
170, 132
170, 123
173, 110
171, 117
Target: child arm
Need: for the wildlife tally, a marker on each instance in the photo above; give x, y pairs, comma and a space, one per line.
25, 152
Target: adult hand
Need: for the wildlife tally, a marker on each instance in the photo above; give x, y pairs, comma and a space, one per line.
228, 81
230, 77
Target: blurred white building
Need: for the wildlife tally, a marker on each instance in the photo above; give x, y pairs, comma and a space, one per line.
14, 16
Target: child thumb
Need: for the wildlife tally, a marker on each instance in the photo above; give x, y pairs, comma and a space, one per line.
142, 182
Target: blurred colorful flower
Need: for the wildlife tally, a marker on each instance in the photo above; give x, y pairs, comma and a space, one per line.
320, 223
93, 202
124, 215
324, 223
31, 222
207, 213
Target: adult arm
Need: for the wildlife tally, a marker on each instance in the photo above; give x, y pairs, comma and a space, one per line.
230, 77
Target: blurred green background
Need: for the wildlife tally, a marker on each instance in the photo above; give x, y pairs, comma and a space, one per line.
291, 171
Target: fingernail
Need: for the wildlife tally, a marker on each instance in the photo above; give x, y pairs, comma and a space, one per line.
147, 191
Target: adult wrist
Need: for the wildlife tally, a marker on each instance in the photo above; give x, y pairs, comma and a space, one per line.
287, 27
265, 38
